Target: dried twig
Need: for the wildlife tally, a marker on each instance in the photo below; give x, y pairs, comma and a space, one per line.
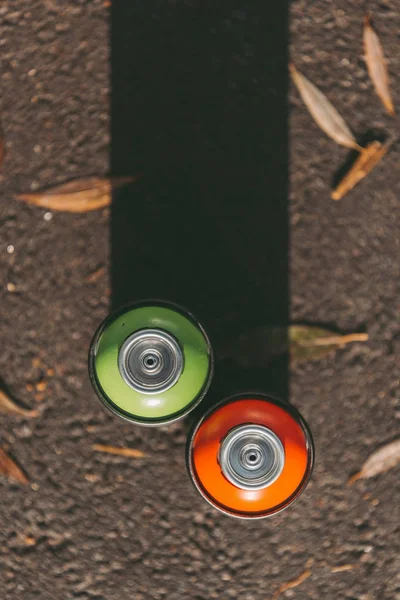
291, 584
342, 568
335, 340
368, 159
96, 275
130, 452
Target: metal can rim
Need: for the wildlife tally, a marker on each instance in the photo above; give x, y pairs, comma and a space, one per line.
256, 395
108, 404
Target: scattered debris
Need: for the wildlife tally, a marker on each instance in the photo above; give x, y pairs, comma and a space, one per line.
79, 195
376, 64
380, 461
7, 405
368, 159
323, 111
130, 452
331, 122
10, 469
291, 584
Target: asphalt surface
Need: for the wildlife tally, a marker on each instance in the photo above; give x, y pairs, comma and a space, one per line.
94, 526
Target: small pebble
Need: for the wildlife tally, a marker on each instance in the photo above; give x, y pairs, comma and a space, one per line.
48, 216
30, 541
11, 287
10, 249
41, 386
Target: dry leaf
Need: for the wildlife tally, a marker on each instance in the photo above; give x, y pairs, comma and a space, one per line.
291, 584
323, 111
376, 65
380, 461
258, 347
80, 195
10, 469
308, 343
8, 405
368, 159
130, 452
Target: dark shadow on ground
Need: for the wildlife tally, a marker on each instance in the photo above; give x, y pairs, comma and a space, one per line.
199, 108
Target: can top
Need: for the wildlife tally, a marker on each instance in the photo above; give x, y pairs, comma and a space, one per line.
150, 361
251, 456
150, 364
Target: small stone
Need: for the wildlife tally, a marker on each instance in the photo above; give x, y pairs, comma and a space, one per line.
11, 287
41, 386
10, 249
48, 216
30, 541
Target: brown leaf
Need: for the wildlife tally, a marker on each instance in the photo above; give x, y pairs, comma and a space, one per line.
130, 452
291, 584
376, 64
79, 195
365, 163
380, 461
10, 469
323, 111
8, 405
310, 343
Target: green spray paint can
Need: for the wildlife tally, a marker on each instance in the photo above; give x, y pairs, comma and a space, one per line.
151, 363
